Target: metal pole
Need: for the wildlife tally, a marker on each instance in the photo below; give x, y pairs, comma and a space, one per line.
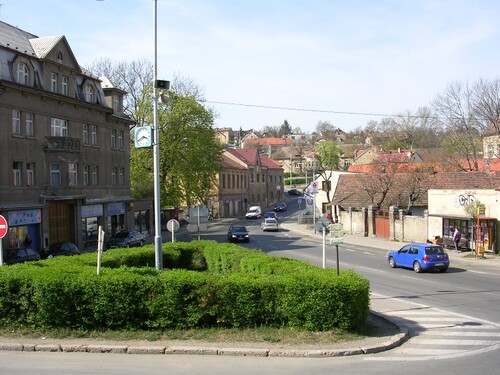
156, 153
338, 266
199, 238
324, 247
314, 193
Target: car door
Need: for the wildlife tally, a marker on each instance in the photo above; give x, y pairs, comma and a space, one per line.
402, 256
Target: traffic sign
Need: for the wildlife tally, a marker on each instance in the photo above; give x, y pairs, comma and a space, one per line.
315, 187
173, 225
3, 227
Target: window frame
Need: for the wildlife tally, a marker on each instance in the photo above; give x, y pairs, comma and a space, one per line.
94, 138
65, 85
53, 82
23, 74
29, 121
55, 174
73, 174
16, 122
17, 167
30, 174
58, 127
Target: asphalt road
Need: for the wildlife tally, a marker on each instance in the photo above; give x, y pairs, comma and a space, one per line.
453, 319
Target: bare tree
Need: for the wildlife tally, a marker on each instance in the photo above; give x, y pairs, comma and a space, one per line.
456, 108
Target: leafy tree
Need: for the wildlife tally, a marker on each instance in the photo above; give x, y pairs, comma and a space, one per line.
189, 153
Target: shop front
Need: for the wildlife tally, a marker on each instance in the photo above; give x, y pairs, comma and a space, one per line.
24, 230
450, 209
116, 217
91, 218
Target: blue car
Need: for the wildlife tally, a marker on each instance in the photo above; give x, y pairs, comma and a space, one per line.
419, 257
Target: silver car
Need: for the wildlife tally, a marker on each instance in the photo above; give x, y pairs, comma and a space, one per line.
270, 224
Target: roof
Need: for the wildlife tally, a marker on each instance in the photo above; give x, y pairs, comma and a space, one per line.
16, 39
227, 163
269, 141
246, 155
397, 189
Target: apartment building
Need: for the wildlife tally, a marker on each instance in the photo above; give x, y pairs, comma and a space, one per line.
64, 144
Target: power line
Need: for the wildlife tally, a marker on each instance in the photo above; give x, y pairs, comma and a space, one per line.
312, 110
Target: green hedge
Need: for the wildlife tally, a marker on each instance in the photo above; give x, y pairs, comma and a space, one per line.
207, 284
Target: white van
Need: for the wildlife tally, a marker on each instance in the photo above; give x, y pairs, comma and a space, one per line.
254, 212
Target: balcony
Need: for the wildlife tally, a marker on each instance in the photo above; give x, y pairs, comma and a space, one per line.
63, 144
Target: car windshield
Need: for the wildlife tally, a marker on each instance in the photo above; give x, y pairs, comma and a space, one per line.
121, 235
239, 229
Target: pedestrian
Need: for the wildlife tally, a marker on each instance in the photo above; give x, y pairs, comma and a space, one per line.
27, 242
456, 238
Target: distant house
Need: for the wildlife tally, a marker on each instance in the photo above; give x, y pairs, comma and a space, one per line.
263, 185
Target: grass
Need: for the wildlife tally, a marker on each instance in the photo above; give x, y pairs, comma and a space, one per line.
283, 336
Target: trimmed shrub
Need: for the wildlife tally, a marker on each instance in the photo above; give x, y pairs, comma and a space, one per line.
207, 284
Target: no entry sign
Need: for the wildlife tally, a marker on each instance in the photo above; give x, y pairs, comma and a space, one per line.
3, 227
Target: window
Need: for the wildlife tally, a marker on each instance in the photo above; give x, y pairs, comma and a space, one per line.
113, 176
30, 130
94, 135
64, 86
53, 82
116, 103
89, 94
23, 74
85, 135
86, 169
16, 173
95, 175
55, 175
16, 122
223, 181
59, 57
30, 174
490, 150
58, 127
121, 173
113, 138
73, 174
121, 135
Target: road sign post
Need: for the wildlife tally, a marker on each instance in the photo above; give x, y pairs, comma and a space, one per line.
173, 226
336, 238
3, 231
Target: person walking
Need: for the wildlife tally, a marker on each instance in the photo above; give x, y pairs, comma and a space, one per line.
456, 238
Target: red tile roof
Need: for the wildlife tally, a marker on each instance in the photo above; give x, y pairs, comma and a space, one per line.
269, 141
363, 190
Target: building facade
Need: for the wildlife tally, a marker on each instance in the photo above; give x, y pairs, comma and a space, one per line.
65, 143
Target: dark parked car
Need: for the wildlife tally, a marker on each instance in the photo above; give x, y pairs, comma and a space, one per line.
56, 249
13, 256
295, 192
280, 207
237, 233
419, 257
126, 239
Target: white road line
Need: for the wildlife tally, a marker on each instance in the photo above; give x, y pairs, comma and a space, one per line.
458, 342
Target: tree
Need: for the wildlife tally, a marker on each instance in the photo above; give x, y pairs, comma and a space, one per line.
327, 161
189, 153
325, 130
285, 129
456, 108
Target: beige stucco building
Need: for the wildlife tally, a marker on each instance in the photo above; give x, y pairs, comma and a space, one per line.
64, 144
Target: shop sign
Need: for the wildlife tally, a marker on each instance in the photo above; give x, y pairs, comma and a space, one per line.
25, 217
116, 209
95, 210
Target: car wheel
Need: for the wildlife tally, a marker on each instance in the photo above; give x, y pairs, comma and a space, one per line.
443, 269
417, 267
392, 262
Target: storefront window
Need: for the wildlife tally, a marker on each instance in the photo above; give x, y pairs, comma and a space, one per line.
141, 221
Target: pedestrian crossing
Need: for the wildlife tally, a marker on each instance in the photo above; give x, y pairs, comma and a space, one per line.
436, 333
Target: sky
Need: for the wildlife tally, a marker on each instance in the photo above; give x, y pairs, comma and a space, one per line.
261, 62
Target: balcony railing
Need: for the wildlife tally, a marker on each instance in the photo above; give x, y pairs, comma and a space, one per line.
65, 144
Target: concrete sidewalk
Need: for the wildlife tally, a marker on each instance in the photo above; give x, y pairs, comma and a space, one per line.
461, 259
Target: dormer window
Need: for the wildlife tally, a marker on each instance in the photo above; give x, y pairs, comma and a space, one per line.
23, 74
59, 57
89, 94
117, 103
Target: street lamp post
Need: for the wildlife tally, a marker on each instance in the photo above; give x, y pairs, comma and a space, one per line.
156, 151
